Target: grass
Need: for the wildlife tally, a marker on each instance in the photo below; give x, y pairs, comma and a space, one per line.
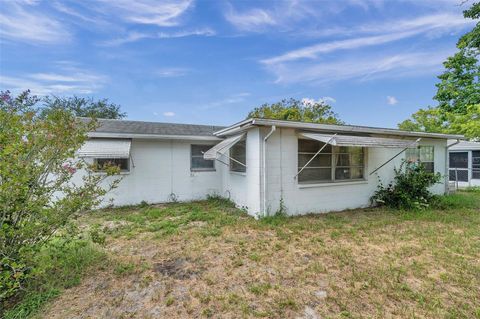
208, 259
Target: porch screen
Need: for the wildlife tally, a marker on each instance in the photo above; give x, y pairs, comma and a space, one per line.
458, 166
476, 164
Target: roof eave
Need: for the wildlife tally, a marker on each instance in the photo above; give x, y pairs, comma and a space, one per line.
153, 136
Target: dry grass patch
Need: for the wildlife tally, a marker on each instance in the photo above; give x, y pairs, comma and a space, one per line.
207, 259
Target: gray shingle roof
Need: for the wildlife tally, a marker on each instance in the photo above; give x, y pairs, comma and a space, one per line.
154, 128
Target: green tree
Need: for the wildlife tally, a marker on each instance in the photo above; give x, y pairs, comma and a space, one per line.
83, 107
37, 193
297, 110
458, 92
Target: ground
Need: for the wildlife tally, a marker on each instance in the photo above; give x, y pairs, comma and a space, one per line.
208, 259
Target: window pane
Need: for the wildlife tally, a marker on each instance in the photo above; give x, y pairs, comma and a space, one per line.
343, 160
321, 160
315, 175
411, 154
122, 163
429, 167
458, 160
426, 153
461, 175
476, 174
238, 152
348, 173
197, 161
312, 146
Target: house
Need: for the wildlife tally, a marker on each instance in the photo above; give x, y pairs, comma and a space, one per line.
262, 165
464, 163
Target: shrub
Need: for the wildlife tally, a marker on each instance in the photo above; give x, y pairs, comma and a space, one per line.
409, 189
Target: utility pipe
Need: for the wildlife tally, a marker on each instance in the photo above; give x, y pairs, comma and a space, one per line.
272, 130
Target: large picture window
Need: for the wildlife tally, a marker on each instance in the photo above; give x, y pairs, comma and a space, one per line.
238, 153
422, 154
122, 163
331, 165
197, 162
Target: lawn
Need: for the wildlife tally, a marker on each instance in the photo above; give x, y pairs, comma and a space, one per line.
209, 259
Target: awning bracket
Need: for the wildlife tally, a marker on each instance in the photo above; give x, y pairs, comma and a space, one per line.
391, 159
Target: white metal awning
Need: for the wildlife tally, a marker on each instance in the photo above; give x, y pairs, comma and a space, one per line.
360, 141
222, 147
105, 148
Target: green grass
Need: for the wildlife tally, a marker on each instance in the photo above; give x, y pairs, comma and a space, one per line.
60, 264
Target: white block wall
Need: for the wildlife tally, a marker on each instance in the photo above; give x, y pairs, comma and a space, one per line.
162, 168
302, 199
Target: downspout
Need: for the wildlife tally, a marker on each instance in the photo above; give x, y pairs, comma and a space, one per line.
264, 208
447, 167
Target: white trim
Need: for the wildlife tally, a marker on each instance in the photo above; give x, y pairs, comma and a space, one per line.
338, 183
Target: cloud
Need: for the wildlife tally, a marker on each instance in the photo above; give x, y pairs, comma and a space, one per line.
393, 31
159, 13
171, 72
250, 20
391, 100
30, 24
232, 99
322, 100
69, 81
169, 114
361, 68
136, 36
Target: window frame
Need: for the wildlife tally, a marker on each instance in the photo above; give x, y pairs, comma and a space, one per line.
333, 166
418, 158
475, 166
243, 169
200, 169
122, 171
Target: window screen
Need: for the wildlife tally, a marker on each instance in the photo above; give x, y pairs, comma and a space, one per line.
197, 162
122, 163
332, 164
476, 164
238, 153
458, 160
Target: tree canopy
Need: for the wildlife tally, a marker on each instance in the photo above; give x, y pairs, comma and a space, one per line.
83, 107
458, 92
297, 110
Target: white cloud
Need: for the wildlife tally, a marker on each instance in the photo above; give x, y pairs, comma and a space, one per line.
69, 81
28, 24
160, 13
229, 100
391, 100
136, 36
322, 100
250, 20
171, 72
169, 114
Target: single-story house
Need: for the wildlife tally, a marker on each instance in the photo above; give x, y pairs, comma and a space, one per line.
464, 163
262, 165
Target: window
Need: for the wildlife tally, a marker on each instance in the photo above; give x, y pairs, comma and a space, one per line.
197, 162
458, 164
122, 163
422, 154
332, 164
238, 153
476, 164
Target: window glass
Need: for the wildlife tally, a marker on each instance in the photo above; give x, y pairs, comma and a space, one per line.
122, 163
238, 153
422, 154
197, 162
348, 162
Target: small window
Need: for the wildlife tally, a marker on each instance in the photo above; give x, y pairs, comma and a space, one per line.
197, 162
238, 153
422, 154
122, 163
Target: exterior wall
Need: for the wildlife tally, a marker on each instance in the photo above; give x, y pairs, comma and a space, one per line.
244, 188
302, 199
161, 173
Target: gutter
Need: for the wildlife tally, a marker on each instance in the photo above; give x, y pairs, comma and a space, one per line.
264, 154
153, 136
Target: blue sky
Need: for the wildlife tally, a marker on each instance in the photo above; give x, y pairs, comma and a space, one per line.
210, 62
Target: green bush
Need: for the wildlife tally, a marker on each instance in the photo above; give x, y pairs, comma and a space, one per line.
409, 189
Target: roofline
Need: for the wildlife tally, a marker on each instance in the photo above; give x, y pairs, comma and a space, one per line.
154, 136
245, 124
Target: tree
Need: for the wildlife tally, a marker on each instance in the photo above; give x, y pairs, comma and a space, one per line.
458, 92
297, 110
83, 107
37, 193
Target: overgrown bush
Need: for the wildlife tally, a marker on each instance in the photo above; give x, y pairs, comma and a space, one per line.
37, 193
409, 189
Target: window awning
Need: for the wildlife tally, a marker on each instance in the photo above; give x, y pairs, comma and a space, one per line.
105, 148
222, 147
360, 141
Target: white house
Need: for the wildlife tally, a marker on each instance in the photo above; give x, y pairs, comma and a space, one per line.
262, 165
464, 163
